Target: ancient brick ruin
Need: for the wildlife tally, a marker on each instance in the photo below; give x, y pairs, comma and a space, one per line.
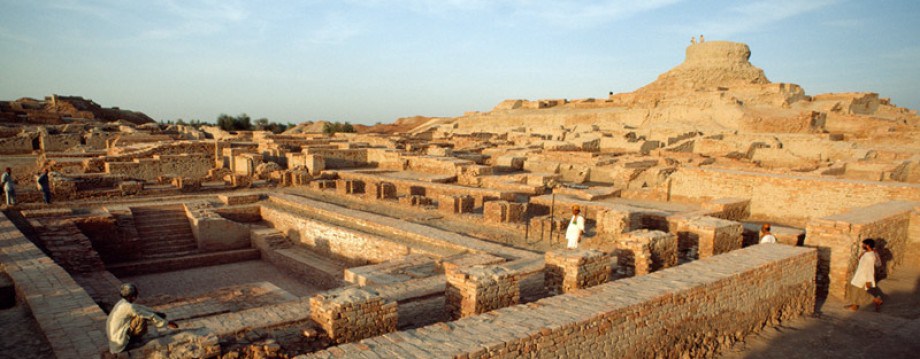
447, 239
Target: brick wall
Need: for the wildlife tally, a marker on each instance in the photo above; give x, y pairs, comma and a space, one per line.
353, 246
787, 198
839, 237
479, 289
73, 324
570, 269
694, 310
195, 167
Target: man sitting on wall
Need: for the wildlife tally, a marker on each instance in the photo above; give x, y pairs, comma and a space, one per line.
127, 323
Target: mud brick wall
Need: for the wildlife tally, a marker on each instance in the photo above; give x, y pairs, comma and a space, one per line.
60, 142
382, 190
787, 199
344, 187
354, 247
710, 235
237, 199
420, 301
406, 187
72, 323
339, 158
504, 212
455, 204
839, 237
415, 200
570, 269
194, 167
16, 145
479, 289
352, 314
671, 316
322, 184
733, 209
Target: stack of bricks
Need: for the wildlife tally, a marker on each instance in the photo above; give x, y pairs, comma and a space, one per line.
352, 314
347, 186
647, 251
382, 190
322, 184
479, 289
457, 204
570, 269
504, 212
415, 200
711, 235
734, 209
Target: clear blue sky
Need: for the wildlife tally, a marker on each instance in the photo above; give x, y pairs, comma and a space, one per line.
366, 61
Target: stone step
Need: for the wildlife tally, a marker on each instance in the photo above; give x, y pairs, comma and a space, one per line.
159, 265
161, 221
154, 234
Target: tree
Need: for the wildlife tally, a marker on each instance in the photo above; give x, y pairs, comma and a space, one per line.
262, 124
242, 122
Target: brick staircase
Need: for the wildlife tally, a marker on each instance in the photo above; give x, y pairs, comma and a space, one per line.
164, 231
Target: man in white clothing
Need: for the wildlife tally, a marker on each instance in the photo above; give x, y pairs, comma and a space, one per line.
862, 288
128, 321
766, 236
575, 229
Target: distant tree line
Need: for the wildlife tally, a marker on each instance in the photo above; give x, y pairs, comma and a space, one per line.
243, 122
335, 127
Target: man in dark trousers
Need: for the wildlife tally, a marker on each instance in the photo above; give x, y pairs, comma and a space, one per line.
44, 185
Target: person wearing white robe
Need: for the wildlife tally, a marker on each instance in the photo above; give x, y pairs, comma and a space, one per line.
576, 228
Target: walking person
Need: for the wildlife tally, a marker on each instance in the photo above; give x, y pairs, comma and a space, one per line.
862, 288
44, 185
9, 187
576, 228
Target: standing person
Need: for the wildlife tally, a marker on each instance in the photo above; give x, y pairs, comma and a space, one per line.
862, 288
9, 188
576, 228
765, 235
128, 321
44, 185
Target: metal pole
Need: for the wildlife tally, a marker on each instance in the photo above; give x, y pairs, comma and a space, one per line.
552, 216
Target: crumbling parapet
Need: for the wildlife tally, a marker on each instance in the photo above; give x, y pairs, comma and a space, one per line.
570, 269
479, 289
353, 313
